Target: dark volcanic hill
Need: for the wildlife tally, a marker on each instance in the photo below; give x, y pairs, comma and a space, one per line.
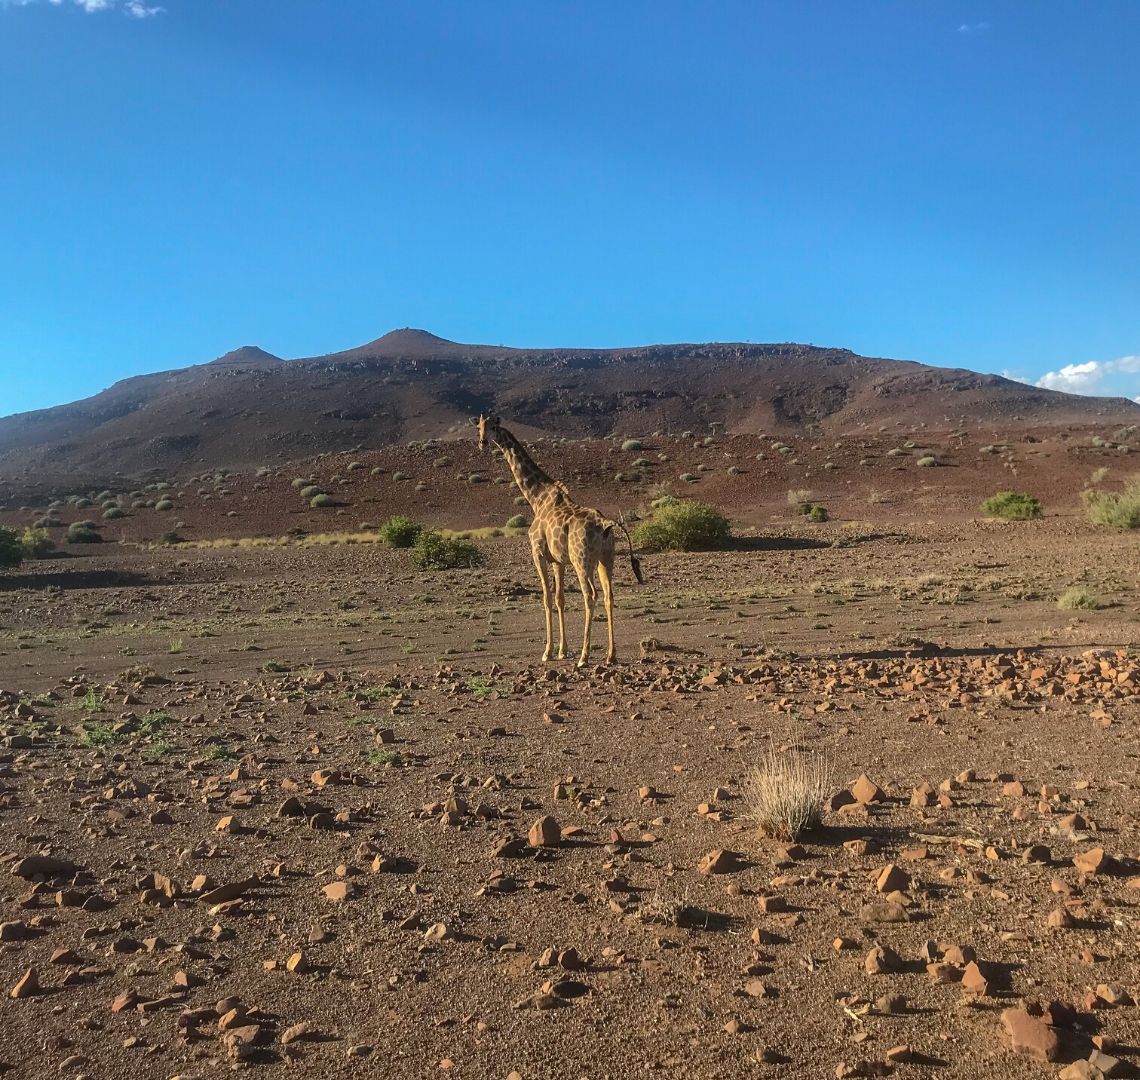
250, 407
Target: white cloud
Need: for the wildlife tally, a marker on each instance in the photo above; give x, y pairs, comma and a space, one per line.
137, 9
973, 28
1094, 377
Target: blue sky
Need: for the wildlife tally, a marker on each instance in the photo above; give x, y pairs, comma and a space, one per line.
954, 183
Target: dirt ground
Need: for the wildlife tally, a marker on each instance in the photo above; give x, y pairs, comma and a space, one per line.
291, 790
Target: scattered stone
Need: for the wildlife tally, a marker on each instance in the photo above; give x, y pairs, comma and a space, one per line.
866, 790
1030, 1035
720, 861
545, 832
28, 985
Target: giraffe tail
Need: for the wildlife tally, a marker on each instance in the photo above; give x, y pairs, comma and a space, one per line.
634, 562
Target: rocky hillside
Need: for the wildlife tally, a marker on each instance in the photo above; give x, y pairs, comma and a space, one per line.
250, 407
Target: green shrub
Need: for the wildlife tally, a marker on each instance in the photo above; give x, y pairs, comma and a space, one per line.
435, 552
311, 491
400, 531
319, 501
926, 462
683, 525
1012, 505
1117, 509
516, 521
633, 444
817, 513
114, 512
171, 536
1077, 599
164, 504
36, 543
83, 532
11, 548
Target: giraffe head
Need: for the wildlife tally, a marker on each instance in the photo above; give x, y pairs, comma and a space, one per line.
488, 427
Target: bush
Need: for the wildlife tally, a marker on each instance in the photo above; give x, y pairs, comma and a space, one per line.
927, 462
683, 525
633, 444
1117, 509
83, 532
319, 501
171, 536
311, 491
400, 531
11, 549
114, 512
36, 543
817, 513
785, 794
1012, 505
516, 521
164, 504
1077, 599
436, 552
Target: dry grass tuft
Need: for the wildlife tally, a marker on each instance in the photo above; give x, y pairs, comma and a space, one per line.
786, 792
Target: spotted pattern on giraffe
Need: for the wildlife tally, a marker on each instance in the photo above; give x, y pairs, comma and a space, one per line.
562, 533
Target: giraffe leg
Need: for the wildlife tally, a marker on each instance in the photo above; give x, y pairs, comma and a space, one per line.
606, 576
540, 566
559, 603
589, 595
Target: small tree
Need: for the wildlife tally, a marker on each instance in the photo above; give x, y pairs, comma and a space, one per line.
436, 552
400, 531
683, 525
1012, 505
11, 549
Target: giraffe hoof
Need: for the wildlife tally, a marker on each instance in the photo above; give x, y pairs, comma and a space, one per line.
546, 658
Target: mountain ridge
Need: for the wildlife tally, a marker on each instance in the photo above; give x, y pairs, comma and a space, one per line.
250, 406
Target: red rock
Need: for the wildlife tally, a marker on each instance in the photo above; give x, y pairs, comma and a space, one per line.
27, 986
719, 861
545, 832
866, 790
1030, 1035
1093, 861
338, 891
892, 879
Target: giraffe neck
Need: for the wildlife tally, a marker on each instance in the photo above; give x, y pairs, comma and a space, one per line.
531, 480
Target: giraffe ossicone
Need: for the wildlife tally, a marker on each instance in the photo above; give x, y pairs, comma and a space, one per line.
562, 533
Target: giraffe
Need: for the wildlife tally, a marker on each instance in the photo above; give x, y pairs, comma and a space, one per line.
562, 532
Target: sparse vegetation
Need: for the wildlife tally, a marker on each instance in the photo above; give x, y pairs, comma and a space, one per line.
318, 502
1077, 599
400, 531
11, 549
83, 532
1117, 509
786, 792
516, 521
433, 551
36, 543
633, 444
683, 525
927, 462
1012, 506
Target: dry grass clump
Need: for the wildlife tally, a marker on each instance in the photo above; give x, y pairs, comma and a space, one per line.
786, 792
1077, 599
1117, 509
